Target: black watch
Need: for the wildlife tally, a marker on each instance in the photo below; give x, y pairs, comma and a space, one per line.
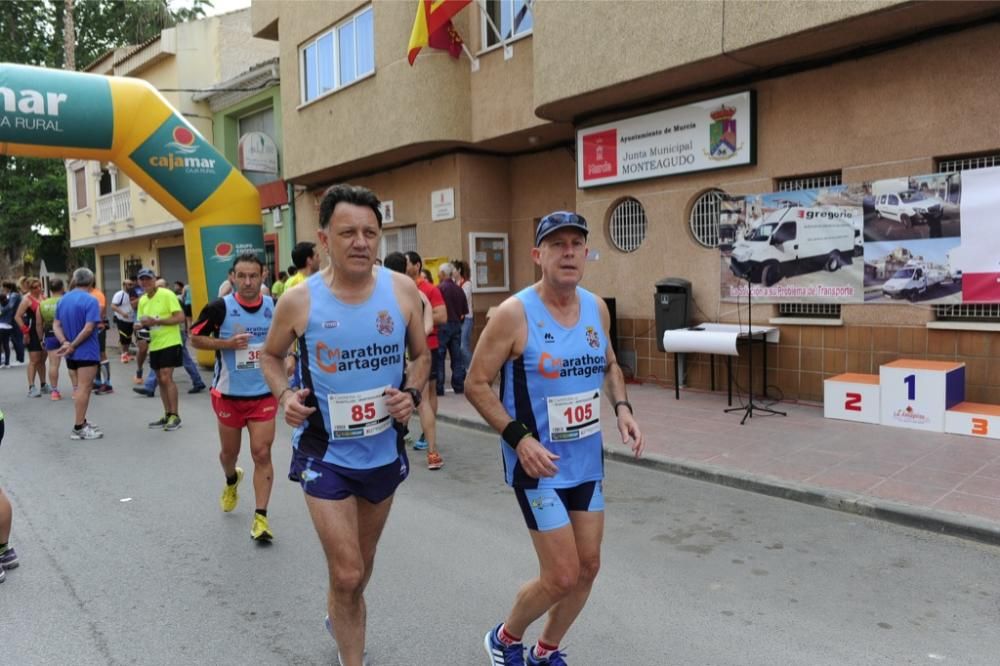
415, 394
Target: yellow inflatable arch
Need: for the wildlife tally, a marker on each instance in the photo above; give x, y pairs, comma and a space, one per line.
72, 115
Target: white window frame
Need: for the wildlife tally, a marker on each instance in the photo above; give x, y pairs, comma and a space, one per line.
397, 232
476, 289
334, 33
86, 187
486, 31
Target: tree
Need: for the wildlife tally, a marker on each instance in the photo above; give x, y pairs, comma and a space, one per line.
55, 33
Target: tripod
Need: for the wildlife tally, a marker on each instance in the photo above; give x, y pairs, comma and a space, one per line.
750, 407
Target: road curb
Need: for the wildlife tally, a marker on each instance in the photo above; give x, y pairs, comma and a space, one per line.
941, 522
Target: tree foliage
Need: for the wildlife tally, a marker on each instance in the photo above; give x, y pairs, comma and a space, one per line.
33, 191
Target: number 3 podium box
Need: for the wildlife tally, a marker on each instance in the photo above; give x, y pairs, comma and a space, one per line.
916, 394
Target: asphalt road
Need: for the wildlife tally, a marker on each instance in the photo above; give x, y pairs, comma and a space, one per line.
127, 559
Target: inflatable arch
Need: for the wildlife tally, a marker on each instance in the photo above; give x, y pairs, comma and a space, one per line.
72, 115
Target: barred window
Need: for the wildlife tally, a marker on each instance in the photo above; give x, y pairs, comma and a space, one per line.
970, 312
627, 225
816, 181
810, 310
704, 220
967, 163
403, 239
984, 312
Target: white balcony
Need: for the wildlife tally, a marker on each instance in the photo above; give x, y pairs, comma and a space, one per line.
114, 208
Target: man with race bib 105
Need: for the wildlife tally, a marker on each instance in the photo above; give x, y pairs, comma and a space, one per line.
550, 345
235, 327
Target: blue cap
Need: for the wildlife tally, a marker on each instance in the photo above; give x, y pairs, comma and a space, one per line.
559, 220
145, 273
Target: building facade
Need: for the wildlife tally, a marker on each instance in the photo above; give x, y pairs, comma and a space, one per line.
470, 153
124, 225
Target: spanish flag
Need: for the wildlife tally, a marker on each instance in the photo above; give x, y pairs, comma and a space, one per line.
432, 27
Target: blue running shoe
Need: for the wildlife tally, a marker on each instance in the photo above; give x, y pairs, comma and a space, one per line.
500, 654
8, 559
420, 445
554, 659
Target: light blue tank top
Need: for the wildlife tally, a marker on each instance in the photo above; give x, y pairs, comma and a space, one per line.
555, 389
237, 372
349, 354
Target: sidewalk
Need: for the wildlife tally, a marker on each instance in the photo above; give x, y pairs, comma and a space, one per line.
938, 482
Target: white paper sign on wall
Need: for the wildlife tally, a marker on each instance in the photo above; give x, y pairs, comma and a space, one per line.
443, 204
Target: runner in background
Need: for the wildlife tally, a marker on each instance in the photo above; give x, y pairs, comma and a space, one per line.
47, 310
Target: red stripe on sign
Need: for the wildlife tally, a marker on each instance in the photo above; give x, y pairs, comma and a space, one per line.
981, 287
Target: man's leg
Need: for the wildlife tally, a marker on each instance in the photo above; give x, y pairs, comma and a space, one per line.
229, 451
428, 421
457, 358
6, 517
54, 362
191, 368
438, 360
349, 531
85, 376
261, 439
168, 389
143, 349
588, 532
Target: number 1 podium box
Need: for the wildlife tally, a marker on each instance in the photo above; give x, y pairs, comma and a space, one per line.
852, 397
916, 394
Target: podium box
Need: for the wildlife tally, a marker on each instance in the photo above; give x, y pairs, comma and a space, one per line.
852, 397
916, 394
973, 418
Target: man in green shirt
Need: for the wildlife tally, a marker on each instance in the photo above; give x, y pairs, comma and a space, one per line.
278, 288
161, 314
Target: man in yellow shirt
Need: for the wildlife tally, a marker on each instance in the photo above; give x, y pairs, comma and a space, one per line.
306, 261
161, 314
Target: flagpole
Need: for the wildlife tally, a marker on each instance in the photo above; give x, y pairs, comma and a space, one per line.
474, 61
508, 50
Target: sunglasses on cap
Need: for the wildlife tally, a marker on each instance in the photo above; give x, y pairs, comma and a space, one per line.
559, 220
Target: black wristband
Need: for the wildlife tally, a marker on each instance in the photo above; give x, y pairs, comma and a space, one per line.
514, 433
627, 404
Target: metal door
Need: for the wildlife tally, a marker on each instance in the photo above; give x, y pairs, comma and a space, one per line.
173, 266
111, 278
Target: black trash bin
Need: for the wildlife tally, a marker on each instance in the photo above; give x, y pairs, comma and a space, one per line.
672, 304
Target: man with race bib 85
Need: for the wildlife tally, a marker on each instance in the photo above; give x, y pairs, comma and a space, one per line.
235, 327
550, 345
354, 323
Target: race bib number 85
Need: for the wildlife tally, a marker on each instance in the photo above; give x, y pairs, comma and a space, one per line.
574, 416
360, 414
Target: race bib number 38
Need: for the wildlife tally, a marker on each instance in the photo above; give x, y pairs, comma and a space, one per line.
361, 414
574, 416
249, 358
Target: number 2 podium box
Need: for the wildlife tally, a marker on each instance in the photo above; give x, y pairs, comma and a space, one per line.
851, 397
916, 394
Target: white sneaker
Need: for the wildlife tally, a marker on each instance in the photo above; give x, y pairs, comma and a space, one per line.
86, 432
34, 392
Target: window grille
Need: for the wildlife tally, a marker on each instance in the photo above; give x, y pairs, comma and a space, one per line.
982, 312
627, 226
967, 163
986, 312
813, 310
704, 220
831, 179
403, 239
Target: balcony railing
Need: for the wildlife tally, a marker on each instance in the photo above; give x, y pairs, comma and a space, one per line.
113, 208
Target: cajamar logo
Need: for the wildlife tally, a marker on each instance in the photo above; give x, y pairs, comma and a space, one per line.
183, 141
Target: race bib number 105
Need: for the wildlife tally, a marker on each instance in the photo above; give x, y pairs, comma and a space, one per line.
360, 414
574, 416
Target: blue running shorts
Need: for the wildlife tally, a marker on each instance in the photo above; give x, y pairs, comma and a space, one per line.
546, 509
332, 482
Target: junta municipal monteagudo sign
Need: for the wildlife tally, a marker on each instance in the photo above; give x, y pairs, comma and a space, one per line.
258, 152
712, 134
